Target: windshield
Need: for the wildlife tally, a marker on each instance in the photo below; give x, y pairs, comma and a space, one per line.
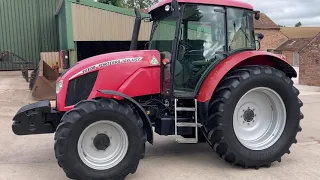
240, 29
162, 34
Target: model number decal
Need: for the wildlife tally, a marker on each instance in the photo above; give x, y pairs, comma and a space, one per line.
107, 63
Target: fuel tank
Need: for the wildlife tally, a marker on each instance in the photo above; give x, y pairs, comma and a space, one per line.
134, 73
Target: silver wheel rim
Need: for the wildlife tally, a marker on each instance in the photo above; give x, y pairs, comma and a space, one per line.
259, 118
112, 155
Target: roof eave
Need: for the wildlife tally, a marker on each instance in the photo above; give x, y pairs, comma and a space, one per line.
267, 28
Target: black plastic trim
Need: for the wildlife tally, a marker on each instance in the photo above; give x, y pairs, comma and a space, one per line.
85, 84
145, 118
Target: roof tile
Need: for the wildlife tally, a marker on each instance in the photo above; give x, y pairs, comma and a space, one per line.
265, 23
296, 44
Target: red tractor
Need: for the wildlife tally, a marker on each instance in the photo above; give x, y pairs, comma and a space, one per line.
201, 79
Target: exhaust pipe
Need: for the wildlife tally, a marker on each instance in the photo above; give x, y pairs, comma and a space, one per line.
136, 30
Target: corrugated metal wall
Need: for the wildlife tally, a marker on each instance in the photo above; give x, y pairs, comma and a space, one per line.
92, 24
27, 27
62, 25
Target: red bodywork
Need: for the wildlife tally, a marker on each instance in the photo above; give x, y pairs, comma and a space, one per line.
135, 78
140, 78
239, 59
230, 3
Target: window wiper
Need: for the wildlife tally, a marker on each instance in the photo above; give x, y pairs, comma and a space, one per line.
154, 29
248, 39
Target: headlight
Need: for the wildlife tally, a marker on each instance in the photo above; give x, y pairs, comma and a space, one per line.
59, 86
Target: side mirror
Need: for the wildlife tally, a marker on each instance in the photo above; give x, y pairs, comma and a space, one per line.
260, 36
257, 15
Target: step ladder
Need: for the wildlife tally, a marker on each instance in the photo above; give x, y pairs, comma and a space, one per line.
186, 124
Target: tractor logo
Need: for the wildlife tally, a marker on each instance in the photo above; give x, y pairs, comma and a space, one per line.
154, 61
107, 63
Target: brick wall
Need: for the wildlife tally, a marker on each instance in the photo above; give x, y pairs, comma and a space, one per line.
309, 66
289, 56
272, 38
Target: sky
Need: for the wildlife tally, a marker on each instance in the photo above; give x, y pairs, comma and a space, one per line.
289, 12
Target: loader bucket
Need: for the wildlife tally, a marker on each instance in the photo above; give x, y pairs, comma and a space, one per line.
43, 82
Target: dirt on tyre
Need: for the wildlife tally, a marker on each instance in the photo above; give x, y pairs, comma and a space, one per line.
100, 139
254, 116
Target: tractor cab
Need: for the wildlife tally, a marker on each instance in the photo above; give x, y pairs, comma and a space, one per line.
194, 38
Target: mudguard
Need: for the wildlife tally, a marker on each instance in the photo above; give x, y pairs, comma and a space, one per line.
145, 118
243, 58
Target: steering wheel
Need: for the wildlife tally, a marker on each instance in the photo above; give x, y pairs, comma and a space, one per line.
183, 47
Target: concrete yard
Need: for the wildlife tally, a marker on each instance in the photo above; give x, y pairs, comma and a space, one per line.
32, 157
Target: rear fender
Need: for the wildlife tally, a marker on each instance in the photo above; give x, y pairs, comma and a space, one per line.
145, 118
240, 59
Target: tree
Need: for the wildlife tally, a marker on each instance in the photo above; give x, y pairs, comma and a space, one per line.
140, 4
298, 24
118, 3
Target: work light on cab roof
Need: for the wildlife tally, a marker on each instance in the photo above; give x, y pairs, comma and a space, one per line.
200, 78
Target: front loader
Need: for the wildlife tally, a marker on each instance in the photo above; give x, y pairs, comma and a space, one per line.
201, 80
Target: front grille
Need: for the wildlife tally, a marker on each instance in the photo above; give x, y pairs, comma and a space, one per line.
80, 88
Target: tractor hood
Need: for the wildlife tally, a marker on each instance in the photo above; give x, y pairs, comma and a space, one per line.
134, 73
119, 62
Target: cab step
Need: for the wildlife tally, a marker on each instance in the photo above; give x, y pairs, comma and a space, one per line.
186, 124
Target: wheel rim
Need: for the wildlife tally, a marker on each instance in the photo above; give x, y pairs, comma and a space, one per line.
259, 118
102, 145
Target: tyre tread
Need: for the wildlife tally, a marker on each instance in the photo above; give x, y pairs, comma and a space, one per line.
70, 118
217, 105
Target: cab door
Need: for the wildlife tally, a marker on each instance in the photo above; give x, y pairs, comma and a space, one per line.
201, 44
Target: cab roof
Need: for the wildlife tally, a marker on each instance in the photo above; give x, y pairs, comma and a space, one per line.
232, 3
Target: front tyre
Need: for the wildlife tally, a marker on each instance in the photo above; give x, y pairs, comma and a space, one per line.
100, 139
254, 116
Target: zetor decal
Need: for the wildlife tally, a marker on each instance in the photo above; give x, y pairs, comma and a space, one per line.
107, 63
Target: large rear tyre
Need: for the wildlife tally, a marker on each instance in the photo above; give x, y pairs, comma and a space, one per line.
254, 116
100, 139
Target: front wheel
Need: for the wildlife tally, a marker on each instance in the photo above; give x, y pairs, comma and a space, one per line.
100, 139
254, 116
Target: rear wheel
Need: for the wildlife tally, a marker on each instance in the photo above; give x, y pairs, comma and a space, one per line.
100, 139
254, 116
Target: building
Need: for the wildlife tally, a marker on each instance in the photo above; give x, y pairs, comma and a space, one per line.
273, 37
302, 51
309, 64
88, 28
291, 49
298, 38
28, 27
